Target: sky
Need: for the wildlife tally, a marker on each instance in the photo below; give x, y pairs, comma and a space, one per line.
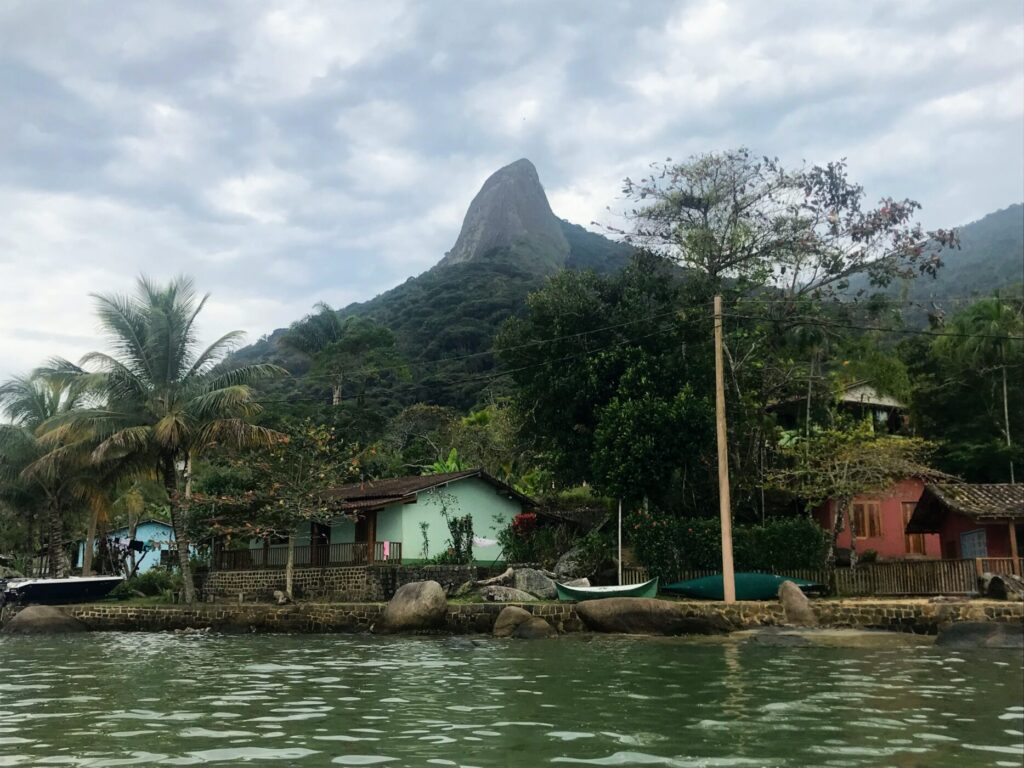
286, 152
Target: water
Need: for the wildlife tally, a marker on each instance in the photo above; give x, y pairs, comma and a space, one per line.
161, 699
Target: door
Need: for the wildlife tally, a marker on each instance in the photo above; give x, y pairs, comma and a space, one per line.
366, 536
974, 544
913, 542
319, 544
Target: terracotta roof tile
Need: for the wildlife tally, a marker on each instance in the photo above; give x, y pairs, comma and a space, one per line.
982, 501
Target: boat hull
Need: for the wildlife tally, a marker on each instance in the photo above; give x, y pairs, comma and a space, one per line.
749, 586
578, 594
59, 591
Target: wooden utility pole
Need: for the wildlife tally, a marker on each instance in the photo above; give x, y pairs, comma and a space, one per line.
724, 503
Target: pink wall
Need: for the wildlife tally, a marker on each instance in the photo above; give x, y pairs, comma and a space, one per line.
997, 536
892, 543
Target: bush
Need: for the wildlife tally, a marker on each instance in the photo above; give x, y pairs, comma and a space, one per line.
152, 583
668, 545
524, 541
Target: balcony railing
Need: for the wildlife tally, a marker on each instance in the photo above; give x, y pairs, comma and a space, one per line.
317, 556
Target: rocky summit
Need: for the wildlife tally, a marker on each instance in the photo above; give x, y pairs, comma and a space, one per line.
511, 212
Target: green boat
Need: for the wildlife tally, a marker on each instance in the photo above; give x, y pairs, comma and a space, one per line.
647, 589
749, 586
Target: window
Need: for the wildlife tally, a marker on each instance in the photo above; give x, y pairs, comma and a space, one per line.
867, 520
974, 544
914, 542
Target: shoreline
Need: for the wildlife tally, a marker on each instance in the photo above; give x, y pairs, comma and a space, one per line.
914, 616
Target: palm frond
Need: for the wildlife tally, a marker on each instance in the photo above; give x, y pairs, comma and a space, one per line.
123, 442
213, 353
237, 433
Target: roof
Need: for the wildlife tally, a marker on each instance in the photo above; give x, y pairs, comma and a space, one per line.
981, 502
376, 494
862, 393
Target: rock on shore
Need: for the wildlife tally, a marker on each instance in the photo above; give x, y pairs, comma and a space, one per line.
982, 634
417, 606
646, 616
799, 611
42, 620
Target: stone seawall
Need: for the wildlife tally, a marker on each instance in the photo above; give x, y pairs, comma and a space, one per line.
917, 616
359, 583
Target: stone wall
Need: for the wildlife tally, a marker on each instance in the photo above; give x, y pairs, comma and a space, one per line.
347, 584
900, 615
340, 583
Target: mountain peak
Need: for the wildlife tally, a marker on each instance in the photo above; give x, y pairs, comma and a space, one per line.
512, 212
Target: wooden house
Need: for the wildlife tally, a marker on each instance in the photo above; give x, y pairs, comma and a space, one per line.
972, 520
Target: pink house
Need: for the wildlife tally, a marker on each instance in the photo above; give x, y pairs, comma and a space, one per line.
880, 521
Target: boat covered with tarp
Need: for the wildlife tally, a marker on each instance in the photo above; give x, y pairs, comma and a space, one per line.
749, 586
646, 589
74, 589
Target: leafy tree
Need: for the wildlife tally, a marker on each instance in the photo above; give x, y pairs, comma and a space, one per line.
804, 231
164, 401
271, 490
589, 349
354, 349
56, 487
988, 338
842, 463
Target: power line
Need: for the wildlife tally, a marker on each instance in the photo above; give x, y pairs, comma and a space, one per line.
854, 326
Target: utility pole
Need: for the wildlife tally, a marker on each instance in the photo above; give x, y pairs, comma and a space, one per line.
724, 503
620, 542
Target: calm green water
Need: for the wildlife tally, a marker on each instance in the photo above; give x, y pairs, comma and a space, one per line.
161, 699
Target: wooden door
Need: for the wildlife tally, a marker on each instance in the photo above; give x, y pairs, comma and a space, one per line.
914, 542
366, 536
320, 544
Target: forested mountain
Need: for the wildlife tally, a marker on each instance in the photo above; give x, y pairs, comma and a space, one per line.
990, 258
445, 319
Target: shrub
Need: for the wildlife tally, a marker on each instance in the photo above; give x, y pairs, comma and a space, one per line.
152, 583
524, 541
667, 544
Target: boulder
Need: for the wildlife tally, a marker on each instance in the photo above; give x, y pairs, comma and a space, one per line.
536, 583
534, 629
42, 620
777, 639
281, 597
416, 606
982, 634
506, 595
569, 565
577, 583
465, 589
509, 620
1002, 586
796, 605
646, 616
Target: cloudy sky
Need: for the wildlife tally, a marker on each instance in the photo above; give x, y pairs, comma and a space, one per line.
288, 152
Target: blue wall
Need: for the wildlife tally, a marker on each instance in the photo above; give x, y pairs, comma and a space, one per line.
146, 532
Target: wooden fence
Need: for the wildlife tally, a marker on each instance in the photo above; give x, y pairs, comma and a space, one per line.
306, 556
905, 578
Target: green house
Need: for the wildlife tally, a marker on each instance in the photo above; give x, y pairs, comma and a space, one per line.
395, 520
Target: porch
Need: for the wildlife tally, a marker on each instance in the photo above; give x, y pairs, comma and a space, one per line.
307, 556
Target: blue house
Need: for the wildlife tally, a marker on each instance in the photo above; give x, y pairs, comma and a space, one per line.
154, 545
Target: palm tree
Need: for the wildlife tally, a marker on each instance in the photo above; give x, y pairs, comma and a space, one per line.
165, 399
988, 336
31, 402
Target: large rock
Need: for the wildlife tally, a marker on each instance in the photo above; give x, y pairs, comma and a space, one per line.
536, 583
796, 605
534, 629
1001, 586
569, 565
506, 595
982, 634
417, 606
576, 583
509, 620
42, 620
646, 616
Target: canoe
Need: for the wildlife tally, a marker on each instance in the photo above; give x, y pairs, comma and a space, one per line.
749, 586
647, 589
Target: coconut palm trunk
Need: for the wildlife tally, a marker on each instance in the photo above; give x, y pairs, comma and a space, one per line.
179, 524
90, 544
54, 543
1006, 419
